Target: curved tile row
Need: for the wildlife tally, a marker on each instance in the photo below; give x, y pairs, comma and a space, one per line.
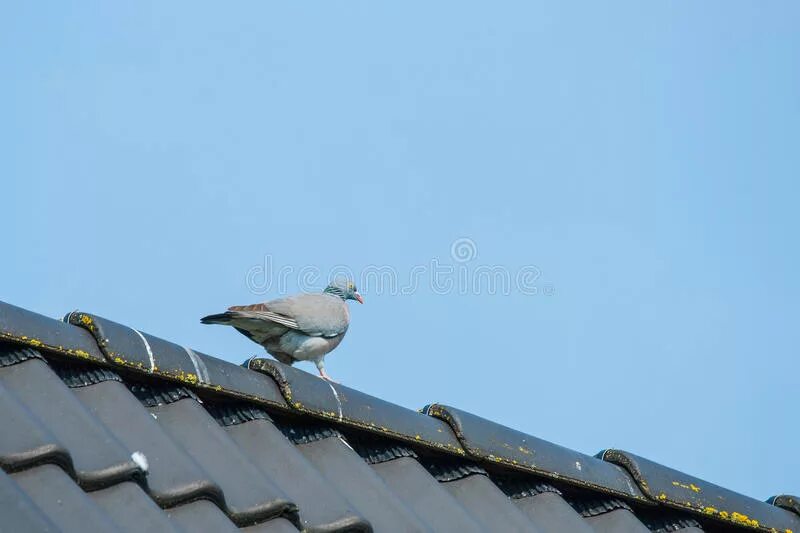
308, 394
55, 426
179, 435
182, 453
287, 389
455, 486
683, 491
490, 441
265, 446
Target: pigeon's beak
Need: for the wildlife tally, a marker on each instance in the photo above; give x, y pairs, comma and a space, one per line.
359, 298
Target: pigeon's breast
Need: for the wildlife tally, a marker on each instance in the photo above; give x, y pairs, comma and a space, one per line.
304, 347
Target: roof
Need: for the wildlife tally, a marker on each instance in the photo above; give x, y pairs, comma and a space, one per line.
104, 427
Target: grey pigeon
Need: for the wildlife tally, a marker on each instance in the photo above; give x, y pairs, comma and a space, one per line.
304, 327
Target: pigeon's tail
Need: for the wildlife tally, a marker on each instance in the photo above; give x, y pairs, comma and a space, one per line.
220, 318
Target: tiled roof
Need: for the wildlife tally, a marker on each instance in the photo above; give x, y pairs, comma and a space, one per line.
105, 428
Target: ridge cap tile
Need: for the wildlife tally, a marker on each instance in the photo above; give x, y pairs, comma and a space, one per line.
493, 442
676, 489
309, 394
146, 354
786, 501
21, 326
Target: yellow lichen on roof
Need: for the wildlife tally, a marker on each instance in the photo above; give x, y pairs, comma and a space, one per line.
687, 486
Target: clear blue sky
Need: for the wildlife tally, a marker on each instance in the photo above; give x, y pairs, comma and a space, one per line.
643, 156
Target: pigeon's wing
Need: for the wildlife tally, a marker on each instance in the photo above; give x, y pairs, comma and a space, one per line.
254, 321
263, 312
316, 315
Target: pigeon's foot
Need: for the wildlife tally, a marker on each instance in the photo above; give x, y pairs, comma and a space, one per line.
324, 375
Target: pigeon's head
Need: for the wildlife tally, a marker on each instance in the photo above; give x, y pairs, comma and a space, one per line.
344, 289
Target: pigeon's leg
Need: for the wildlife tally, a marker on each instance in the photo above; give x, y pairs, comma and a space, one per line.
321, 367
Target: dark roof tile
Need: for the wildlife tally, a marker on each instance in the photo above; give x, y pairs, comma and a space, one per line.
155, 394
375, 451
11, 354
488, 506
130, 348
233, 413
352, 477
131, 509
242, 383
415, 487
542, 503
173, 476
682, 491
786, 501
450, 469
98, 457
670, 523
306, 431
18, 512
38, 331
249, 496
25, 441
62, 501
594, 505
201, 516
277, 525
489, 441
310, 395
551, 513
76, 375
523, 487
617, 521
321, 506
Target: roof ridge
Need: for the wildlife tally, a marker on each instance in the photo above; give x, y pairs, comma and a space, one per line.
440, 428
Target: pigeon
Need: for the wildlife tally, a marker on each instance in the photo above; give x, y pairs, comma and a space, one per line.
303, 327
